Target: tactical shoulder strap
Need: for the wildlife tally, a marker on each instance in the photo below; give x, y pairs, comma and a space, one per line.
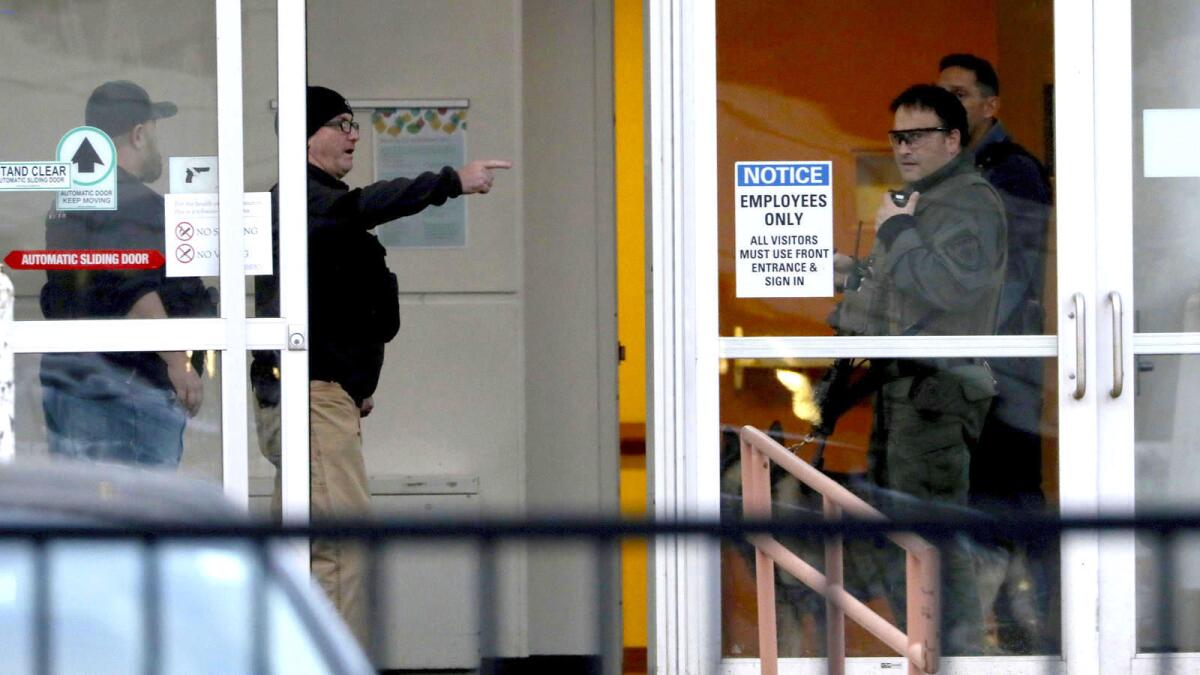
995, 154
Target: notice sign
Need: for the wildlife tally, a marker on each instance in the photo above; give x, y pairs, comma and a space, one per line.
193, 235
784, 228
93, 158
30, 176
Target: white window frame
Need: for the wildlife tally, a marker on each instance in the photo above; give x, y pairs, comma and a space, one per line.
1116, 166
293, 256
233, 334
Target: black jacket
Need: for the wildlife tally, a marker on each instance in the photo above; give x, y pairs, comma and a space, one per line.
1024, 187
137, 223
353, 299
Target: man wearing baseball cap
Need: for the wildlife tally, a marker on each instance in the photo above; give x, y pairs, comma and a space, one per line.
354, 312
128, 407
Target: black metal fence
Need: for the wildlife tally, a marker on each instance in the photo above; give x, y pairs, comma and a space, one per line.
1162, 532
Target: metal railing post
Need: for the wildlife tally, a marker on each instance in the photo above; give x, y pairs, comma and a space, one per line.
610, 661
756, 498
489, 610
43, 627
8, 444
377, 623
923, 573
835, 618
152, 606
260, 610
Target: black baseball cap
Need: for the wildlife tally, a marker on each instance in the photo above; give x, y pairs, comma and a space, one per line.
118, 106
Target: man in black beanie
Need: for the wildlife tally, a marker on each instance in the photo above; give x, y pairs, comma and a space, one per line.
353, 306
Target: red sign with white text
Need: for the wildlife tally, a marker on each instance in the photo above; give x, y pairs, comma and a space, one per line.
135, 259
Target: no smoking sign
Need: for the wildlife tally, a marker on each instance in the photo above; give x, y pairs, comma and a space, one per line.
192, 228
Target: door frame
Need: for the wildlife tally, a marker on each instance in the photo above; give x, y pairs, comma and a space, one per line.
686, 348
1116, 168
232, 333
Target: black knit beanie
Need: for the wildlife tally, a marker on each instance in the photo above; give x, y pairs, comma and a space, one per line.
324, 104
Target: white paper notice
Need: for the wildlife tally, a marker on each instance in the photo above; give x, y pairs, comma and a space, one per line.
784, 228
192, 234
409, 141
1171, 143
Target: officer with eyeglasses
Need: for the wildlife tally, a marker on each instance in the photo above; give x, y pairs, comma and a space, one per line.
353, 302
936, 268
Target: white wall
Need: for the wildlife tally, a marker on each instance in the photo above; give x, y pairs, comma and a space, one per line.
450, 399
1165, 242
506, 342
572, 454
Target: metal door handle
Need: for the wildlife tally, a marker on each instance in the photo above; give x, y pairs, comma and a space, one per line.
1079, 316
1118, 312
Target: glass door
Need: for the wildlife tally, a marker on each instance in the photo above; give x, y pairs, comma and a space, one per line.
1150, 606
134, 218
759, 192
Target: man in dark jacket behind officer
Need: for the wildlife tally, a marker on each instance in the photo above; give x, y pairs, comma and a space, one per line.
936, 269
1006, 467
354, 311
1008, 470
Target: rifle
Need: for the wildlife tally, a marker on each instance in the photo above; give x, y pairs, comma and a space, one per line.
839, 390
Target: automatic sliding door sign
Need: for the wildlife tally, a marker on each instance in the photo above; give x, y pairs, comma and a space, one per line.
92, 157
134, 259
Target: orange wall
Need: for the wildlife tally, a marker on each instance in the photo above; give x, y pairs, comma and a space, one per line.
853, 56
844, 60
812, 80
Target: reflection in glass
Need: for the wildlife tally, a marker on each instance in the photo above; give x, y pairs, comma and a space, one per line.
159, 105
766, 111
1166, 434
1164, 238
121, 407
126, 273
265, 420
906, 445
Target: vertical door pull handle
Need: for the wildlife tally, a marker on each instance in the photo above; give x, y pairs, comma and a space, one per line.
1118, 321
1077, 313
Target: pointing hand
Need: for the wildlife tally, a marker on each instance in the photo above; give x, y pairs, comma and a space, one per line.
477, 176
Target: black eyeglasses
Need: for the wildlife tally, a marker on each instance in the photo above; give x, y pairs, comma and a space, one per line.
346, 126
912, 137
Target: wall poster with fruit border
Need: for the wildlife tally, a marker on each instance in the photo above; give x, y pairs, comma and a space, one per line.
416, 138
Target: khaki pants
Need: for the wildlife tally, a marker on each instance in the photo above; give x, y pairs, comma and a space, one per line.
339, 490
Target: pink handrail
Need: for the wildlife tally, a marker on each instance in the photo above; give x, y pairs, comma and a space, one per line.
921, 645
